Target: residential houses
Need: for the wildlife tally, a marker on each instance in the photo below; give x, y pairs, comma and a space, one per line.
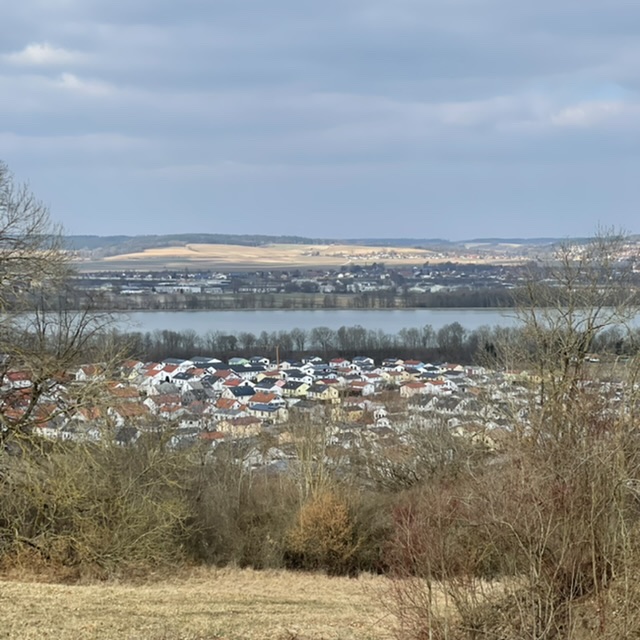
206, 402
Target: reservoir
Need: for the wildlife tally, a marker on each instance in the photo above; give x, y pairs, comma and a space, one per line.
255, 321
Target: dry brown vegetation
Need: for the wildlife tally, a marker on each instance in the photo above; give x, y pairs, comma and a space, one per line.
539, 540
227, 604
554, 518
275, 255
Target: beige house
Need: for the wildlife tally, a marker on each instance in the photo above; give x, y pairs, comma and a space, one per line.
324, 393
295, 390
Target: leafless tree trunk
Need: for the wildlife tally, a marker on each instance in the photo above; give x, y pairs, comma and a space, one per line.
42, 342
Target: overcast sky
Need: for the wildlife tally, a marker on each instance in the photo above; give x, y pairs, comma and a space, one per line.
341, 118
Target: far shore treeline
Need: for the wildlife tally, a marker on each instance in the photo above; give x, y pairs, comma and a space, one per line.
451, 342
468, 298
486, 298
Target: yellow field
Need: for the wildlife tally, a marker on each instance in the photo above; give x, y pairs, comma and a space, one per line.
221, 604
276, 255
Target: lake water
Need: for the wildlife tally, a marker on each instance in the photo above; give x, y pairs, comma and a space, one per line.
389, 321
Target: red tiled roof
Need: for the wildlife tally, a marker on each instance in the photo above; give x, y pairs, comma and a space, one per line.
169, 368
18, 376
211, 435
414, 385
226, 403
131, 410
263, 398
166, 398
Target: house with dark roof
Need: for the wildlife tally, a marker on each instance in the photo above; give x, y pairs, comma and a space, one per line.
269, 412
269, 385
324, 393
247, 371
241, 393
294, 389
297, 375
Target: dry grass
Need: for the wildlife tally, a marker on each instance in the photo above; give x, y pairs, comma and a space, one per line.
276, 255
229, 604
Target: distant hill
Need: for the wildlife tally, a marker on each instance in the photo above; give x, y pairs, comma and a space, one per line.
105, 246
112, 245
398, 242
100, 247
533, 241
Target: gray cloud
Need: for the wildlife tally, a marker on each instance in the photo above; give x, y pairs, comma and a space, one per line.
349, 117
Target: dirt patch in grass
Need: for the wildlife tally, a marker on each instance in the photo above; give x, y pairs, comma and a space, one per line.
229, 604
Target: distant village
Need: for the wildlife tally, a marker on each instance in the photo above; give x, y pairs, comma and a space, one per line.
352, 279
206, 402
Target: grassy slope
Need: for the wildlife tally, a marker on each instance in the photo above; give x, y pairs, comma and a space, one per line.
229, 604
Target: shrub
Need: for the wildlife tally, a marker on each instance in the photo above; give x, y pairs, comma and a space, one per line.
94, 509
324, 536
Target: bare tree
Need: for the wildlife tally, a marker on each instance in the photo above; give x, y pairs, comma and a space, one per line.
557, 505
43, 335
566, 303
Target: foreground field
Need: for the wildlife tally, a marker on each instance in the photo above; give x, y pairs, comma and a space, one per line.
225, 604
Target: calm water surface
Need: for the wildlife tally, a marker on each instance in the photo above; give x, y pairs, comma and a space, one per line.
390, 321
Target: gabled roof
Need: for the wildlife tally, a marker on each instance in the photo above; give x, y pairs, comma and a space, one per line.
124, 393
242, 392
247, 368
165, 398
263, 398
172, 408
319, 388
169, 368
266, 383
167, 388
293, 385
131, 410
264, 407
203, 360
226, 403
132, 364
210, 436
19, 376
90, 370
414, 385
223, 374
174, 361
271, 374
293, 373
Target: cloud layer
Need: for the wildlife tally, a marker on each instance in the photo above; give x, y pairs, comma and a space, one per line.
454, 118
